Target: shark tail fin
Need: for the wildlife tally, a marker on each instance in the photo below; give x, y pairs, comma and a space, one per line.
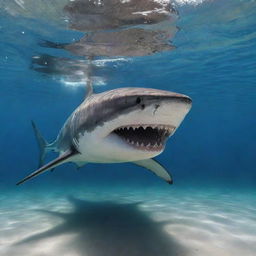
44, 146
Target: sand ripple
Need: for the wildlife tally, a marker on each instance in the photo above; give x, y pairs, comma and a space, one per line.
195, 222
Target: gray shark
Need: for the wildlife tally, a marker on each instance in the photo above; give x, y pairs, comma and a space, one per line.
116, 126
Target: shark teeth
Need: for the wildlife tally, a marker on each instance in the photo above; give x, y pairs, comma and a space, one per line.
150, 137
145, 126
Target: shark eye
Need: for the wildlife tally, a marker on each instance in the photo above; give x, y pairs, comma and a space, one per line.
138, 100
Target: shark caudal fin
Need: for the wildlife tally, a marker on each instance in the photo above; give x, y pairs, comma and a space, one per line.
44, 146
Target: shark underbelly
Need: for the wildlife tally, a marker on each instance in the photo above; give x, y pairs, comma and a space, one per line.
113, 152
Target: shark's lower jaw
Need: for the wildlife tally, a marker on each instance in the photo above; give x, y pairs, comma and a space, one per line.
145, 137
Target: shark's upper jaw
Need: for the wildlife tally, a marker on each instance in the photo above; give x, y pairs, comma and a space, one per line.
145, 137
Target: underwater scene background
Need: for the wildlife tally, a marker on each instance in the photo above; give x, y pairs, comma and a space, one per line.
205, 50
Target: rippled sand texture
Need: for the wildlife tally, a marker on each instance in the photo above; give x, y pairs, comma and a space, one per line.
99, 222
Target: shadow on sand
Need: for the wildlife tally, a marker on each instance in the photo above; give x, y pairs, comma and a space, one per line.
111, 229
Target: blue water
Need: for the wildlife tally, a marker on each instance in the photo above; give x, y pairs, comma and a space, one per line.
210, 209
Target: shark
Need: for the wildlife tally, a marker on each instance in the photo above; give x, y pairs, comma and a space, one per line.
117, 126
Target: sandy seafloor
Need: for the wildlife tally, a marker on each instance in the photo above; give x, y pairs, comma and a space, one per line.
104, 221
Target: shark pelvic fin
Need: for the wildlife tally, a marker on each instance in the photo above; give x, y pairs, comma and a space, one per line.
44, 146
156, 168
80, 164
58, 161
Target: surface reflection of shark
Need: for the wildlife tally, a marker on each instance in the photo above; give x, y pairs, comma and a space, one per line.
110, 229
86, 15
53, 65
123, 43
139, 38
70, 72
114, 28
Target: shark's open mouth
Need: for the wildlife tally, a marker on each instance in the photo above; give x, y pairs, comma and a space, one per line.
145, 137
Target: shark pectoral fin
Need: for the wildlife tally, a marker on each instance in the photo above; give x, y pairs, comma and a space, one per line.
58, 161
156, 168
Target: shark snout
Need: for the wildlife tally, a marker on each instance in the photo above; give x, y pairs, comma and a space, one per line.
157, 102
